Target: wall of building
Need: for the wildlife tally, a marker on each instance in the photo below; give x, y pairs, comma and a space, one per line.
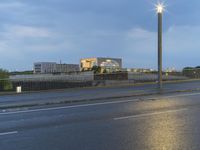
88, 63
44, 67
65, 68
110, 64
51, 67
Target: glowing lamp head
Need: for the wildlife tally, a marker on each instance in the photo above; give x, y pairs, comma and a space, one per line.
160, 8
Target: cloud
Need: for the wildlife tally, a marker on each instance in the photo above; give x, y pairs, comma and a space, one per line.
32, 30
183, 38
11, 5
181, 47
22, 38
137, 46
140, 34
20, 31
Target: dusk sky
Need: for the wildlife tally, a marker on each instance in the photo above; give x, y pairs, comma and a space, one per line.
67, 30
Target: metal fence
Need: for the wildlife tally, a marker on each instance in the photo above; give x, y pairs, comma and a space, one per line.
86, 79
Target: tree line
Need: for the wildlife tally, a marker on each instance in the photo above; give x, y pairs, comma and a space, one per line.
5, 83
192, 72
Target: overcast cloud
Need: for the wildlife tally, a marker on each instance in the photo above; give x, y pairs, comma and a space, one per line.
67, 30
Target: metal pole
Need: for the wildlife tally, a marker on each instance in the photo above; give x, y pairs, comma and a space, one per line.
160, 50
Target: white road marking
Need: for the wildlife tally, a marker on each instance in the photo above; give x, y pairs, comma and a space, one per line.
94, 104
149, 114
66, 107
8, 133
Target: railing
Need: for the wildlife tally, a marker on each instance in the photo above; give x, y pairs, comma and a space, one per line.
87, 79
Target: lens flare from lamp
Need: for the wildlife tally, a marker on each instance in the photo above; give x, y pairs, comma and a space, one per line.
160, 7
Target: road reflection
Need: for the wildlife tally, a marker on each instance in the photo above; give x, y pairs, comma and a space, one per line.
165, 132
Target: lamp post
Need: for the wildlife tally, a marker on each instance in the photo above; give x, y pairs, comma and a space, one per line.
160, 9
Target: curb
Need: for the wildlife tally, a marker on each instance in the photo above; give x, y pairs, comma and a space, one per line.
28, 105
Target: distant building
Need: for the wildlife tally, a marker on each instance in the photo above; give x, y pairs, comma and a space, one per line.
108, 64
65, 68
139, 70
171, 70
52, 67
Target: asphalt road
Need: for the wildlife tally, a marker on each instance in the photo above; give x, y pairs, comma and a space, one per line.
92, 93
167, 122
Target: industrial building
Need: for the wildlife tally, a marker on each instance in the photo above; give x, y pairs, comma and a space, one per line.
108, 64
53, 67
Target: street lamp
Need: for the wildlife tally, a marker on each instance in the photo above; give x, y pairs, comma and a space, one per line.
160, 9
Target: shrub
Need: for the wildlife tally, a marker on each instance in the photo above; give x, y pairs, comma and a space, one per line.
5, 83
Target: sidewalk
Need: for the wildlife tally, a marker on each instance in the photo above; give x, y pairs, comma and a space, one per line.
91, 94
